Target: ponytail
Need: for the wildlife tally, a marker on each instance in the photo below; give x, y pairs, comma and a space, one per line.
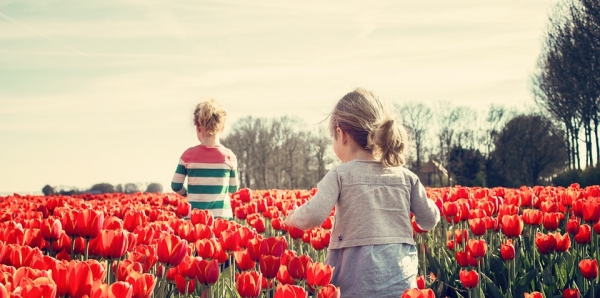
389, 139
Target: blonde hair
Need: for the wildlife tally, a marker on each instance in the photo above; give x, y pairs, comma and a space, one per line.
210, 116
372, 125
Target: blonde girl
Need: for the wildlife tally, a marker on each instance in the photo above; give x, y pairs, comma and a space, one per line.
372, 246
210, 167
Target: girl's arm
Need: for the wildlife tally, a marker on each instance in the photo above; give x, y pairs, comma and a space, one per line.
317, 209
427, 215
179, 178
234, 182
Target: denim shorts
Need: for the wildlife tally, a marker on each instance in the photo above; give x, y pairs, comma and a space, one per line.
381, 271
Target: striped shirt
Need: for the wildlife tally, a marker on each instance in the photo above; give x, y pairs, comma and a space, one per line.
212, 175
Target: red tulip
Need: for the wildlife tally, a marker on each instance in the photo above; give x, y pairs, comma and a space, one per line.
184, 285
145, 255
89, 223
417, 293
68, 221
584, 236
114, 244
171, 250
532, 217
142, 284
207, 271
420, 282
243, 260
248, 284
329, 291
3, 292
545, 243
273, 246
469, 279
230, 240
571, 293
597, 228
290, 291
116, 290
202, 216
183, 209
507, 251
206, 248
477, 248
319, 275
125, 268
534, 295
512, 225
112, 223
133, 219
451, 244
573, 225
283, 276
50, 229
269, 265
477, 226
298, 266
552, 220
80, 279
563, 243
42, 287
589, 268
591, 211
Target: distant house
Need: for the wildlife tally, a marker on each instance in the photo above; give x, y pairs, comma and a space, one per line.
432, 174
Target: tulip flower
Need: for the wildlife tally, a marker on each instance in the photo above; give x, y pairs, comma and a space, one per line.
183, 285
584, 236
573, 225
269, 266
534, 295
171, 250
230, 240
206, 248
42, 287
571, 293
507, 251
50, 229
145, 255
290, 291
545, 243
207, 271
297, 267
3, 292
80, 279
273, 246
319, 275
563, 243
89, 223
589, 268
283, 276
113, 244
117, 289
243, 260
469, 279
420, 282
248, 284
125, 268
143, 284
552, 220
477, 226
512, 225
202, 216
591, 211
133, 219
532, 217
112, 223
418, 293
477, 248
329, 291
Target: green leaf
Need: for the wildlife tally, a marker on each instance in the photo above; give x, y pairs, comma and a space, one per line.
497, 293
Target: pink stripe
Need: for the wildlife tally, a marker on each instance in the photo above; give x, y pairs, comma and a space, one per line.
203, 154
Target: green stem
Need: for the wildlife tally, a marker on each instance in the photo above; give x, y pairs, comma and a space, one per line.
87, 248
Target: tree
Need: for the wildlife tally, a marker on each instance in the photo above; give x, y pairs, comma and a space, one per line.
48, 190
529, 147
417, 118
130, 188
119, 188
467, 166
154, 188
567, 82
102, 188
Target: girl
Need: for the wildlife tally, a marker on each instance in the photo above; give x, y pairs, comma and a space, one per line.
372, 246
211, 168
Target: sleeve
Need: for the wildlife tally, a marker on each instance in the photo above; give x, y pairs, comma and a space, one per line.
427, 215
317, 209
179, 178
234, 180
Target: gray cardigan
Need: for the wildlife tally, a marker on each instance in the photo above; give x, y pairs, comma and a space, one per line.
373, 205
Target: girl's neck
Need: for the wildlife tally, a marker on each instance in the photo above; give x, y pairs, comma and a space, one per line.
210, 140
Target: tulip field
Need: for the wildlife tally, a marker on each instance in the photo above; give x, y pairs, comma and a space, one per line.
499, 242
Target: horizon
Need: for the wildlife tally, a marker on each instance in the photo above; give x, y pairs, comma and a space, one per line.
103, 92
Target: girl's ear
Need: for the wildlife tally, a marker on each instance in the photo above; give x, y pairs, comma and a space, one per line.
342, 135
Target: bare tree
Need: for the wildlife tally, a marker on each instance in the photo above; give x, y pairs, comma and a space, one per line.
417, 117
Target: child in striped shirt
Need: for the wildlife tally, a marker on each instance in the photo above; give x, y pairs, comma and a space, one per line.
210, 167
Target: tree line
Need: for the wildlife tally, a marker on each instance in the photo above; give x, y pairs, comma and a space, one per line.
100, 188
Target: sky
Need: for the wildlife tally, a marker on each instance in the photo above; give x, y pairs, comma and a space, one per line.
103, 91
